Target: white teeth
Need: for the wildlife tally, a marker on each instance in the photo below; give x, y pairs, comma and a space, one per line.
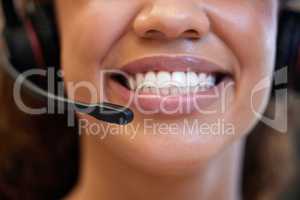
150, 79
171, 83
139, 78
179, 79
192, 79
163, 79
131, 83
211, 80
202, 79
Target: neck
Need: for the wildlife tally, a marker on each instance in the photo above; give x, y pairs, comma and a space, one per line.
106, 177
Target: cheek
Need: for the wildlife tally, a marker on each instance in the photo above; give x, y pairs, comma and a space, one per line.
250, 33
90, 36
91, 29
87, 34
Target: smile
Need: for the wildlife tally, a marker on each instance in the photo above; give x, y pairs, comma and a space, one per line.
169, 83
174, 80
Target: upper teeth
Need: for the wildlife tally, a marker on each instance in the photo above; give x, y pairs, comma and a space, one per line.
165, 79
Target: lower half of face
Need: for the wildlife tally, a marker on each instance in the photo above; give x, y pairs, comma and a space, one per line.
197, 79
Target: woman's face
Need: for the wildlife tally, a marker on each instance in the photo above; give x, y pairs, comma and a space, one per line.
192, 68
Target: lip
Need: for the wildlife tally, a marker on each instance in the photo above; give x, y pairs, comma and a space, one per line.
190, 103
174, 63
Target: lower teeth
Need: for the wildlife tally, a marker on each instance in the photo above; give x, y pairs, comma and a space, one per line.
172, 91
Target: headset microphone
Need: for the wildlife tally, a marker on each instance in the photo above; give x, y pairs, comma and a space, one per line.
104, 111
32, 43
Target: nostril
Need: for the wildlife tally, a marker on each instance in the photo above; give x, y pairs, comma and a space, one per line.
191, 33
152, 33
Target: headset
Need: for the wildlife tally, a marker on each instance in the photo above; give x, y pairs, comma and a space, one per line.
288, 45
32, 41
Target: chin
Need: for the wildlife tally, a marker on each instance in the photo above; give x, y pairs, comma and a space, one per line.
165, 152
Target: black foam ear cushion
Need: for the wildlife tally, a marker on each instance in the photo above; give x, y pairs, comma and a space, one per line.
44, 23
288, 45
34, 43
23, 47
285, 39
298, 61
19, 48
19, 38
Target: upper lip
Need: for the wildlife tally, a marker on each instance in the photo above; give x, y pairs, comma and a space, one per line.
174, 63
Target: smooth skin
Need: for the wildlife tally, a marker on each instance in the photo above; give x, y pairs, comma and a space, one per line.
98, 34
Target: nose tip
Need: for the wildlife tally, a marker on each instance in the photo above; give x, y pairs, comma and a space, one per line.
170, 21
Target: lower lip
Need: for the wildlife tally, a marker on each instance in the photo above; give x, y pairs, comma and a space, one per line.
176, 104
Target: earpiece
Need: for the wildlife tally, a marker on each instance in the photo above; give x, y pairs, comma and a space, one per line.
32, 42
288, 45
20, 50
43, 20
